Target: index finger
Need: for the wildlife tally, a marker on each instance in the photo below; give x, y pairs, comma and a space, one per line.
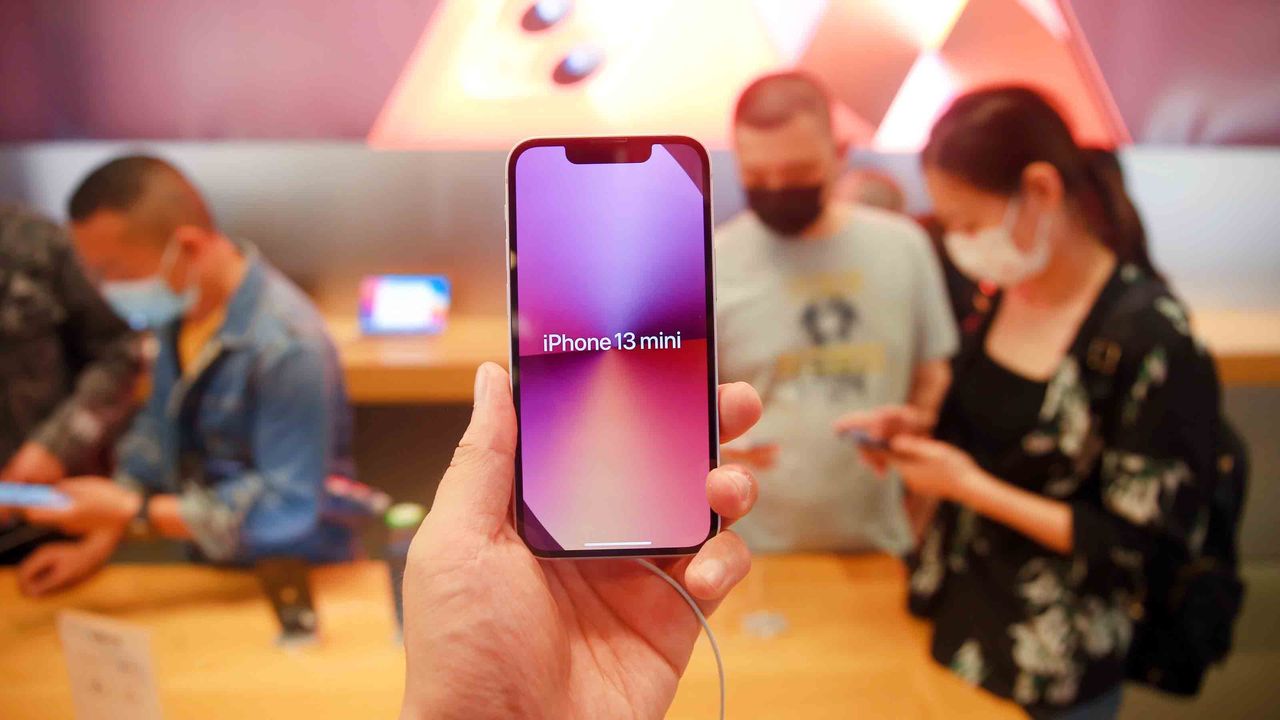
45, 515
862, 420
740, 408
731, 492
37, 563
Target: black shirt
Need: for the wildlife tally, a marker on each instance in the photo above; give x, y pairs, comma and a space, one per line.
1044, 629
998, 405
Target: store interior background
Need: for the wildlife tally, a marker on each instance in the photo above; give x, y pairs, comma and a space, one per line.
272, 109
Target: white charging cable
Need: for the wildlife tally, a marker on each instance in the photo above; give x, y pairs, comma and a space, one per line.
702, 620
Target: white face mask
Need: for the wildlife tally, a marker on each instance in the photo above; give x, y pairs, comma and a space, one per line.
991, 255
149, 304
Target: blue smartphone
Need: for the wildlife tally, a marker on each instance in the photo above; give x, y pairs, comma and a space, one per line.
865, 439
23, 495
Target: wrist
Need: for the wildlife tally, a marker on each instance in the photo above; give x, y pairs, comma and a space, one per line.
139, 525
104, 540
130, 506
927, 419
971, 488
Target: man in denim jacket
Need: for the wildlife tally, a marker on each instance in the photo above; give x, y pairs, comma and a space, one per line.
248, 413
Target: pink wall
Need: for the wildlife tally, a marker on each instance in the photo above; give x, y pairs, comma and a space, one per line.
201, 70
1180, 71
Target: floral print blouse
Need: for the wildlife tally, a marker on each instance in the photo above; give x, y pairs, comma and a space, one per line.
1050, 630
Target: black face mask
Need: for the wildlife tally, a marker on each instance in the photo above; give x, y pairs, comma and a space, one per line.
787, 210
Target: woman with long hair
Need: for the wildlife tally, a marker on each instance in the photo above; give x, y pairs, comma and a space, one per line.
1080, 422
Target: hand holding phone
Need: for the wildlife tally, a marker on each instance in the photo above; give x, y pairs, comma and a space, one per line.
873, 430
865, 439
465, 549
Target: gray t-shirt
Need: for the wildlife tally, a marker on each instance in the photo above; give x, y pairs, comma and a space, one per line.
823, 327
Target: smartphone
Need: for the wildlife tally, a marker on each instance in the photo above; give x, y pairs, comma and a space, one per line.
24, 495
865, 439
286, 582
611, 294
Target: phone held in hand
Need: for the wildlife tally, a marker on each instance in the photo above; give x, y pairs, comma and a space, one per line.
24, 495
611, 293
865, 439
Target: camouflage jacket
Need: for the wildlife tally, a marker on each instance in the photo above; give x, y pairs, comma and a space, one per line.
67, 364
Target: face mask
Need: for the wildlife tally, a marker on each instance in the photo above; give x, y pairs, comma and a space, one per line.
786, 211
149, 303
991, 255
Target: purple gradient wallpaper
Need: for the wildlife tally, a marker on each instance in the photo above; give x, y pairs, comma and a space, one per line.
612, 339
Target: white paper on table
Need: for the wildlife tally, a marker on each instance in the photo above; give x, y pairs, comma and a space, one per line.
109, 661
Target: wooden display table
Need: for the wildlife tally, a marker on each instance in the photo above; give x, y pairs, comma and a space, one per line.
1246, 344
441, 368
850, 649
418, 369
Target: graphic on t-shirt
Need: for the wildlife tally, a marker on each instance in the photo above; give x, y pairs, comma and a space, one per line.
829, 320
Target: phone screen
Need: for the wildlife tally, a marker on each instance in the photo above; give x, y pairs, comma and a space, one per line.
613, 346
22, 495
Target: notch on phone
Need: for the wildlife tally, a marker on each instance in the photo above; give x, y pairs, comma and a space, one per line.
599, 151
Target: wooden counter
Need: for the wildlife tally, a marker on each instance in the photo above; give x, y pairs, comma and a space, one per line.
418, 369
850, 649
1246, 344
441, 368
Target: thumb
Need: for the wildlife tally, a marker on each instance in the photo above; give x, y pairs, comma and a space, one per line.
477, 485
38, 563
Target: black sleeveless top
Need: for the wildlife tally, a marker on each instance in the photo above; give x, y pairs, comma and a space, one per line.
998, 405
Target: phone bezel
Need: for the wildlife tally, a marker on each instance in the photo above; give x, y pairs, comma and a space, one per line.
625, 143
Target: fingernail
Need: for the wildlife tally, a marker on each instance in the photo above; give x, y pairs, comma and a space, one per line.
741, 483
482, 383
712, 572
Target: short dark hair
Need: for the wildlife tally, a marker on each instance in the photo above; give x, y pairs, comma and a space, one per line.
121, 183
117, 185
774, 99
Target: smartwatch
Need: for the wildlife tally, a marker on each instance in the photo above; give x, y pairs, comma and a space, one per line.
140, 525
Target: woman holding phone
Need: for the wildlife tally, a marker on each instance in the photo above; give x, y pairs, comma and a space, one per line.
1050, 501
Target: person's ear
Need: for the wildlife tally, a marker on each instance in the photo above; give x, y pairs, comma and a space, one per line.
189, 243
190, 239
1042, 186
842, 149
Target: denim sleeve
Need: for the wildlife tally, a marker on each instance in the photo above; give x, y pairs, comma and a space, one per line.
140, 453
276, 502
